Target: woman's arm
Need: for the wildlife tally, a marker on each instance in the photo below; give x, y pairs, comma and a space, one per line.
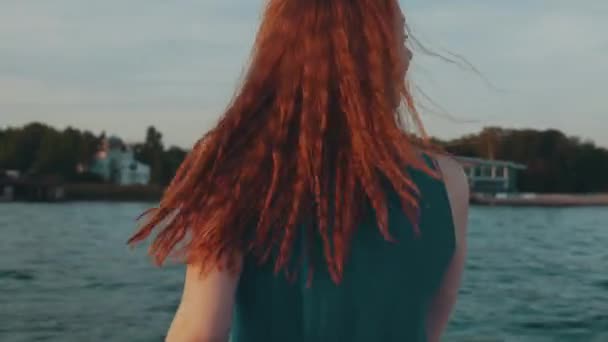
205, 311
445, 299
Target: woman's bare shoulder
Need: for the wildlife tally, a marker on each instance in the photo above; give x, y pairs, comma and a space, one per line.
457, 186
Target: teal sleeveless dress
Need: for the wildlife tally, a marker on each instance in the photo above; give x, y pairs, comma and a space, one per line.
385, 292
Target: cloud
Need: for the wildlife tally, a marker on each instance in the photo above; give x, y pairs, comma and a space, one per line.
546, 58
97, 64
117, 65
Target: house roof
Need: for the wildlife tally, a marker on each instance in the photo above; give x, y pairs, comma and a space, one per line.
470, 161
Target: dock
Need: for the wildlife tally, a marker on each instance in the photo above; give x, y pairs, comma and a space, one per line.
39, 189
541, 200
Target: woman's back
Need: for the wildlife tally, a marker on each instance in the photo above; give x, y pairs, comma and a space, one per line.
386, 288
323, 125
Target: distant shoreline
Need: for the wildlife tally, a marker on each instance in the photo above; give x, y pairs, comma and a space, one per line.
100, 192
542, 200
112, 193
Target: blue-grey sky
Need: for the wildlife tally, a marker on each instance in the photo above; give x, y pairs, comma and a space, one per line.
119, 65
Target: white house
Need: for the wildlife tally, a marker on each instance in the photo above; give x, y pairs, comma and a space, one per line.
491, 176
115, 162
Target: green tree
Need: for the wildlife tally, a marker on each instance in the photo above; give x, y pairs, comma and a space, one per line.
172, 159
555, 162
151, 153
37, 149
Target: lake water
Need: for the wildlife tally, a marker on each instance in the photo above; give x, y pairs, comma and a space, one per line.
66, 275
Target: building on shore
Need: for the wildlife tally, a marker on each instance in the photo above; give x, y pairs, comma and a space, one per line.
7, 188
14, 187
491, 176
115, 162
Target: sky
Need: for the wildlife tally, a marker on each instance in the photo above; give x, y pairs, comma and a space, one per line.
119, 66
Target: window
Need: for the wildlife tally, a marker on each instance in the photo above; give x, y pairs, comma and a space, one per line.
500, 171
478, 171
486, 171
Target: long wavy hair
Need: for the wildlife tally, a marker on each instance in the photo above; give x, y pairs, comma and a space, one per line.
323, 119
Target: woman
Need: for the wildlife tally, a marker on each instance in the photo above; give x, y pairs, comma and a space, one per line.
311, 212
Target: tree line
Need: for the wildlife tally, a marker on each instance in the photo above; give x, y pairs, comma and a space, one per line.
555, 162
37, 149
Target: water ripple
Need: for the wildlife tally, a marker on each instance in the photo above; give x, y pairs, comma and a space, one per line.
602, 284
533, 275
17, 275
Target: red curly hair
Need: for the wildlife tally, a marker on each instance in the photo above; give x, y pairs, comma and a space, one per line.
312, 135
